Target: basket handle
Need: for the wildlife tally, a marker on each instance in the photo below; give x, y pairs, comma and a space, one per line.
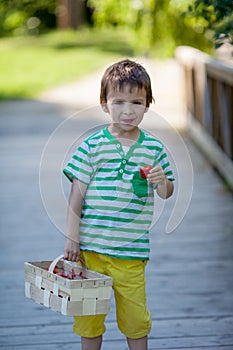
55, 261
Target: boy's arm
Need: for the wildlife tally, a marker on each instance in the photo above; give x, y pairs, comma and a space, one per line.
165, 187
77, 194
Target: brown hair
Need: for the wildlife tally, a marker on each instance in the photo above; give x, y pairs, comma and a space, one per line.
126, 72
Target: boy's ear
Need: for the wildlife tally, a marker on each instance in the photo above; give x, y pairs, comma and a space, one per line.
104, 107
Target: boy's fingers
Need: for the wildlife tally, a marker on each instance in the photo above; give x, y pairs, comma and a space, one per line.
71, 256
156, 170
75, 257
68, 255
65, 255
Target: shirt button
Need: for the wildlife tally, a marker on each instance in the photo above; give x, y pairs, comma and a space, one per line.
121, 171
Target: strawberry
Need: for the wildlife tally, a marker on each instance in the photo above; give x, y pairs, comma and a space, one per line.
62, 274
145, 171
73, 275
82, 275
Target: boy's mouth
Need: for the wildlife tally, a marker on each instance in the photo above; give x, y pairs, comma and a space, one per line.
128, 121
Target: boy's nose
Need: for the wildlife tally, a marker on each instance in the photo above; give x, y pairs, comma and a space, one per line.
127, 108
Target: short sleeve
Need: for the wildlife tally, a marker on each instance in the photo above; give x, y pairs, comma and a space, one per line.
163, 161
79, 167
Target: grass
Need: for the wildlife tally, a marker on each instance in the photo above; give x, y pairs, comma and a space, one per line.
30, 65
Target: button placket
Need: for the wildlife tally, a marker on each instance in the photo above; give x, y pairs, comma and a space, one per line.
123, 161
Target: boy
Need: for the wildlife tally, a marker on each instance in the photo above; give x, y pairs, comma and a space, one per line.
115, 203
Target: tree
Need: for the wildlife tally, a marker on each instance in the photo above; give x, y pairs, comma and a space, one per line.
156, 25
26, 16
216, 16
148, 19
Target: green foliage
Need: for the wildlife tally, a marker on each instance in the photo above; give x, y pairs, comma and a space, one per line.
137, 15
157, 26
26, 16
216, 16
109, 12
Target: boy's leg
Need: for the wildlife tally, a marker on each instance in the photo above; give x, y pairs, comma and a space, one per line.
91, 343
137, 344
90, 328
133, 317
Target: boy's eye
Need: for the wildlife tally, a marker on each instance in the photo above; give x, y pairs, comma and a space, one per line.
118, 102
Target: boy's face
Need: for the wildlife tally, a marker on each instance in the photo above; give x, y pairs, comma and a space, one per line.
126, 107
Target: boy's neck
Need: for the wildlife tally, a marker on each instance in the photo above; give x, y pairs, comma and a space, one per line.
127, 138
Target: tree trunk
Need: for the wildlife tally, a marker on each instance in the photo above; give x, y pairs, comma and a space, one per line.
71, 13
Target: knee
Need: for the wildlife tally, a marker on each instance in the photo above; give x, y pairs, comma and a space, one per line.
137, 327
89, 326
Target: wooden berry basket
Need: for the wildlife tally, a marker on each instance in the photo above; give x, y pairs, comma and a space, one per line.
88, 294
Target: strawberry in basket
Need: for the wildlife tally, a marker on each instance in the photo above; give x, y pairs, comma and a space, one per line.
71, 275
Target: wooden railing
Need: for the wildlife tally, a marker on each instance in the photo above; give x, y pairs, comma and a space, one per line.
208, 84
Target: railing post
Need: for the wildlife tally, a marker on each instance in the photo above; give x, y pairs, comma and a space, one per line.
209, 103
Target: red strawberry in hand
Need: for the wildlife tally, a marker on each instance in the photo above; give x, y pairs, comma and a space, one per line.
145, 171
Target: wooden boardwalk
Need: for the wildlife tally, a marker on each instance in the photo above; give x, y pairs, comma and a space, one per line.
189, 276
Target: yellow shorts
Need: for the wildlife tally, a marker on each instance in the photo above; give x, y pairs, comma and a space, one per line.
133, 318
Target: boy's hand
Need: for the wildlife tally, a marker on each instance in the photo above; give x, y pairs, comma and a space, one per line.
71, 250
157, 176
165, 187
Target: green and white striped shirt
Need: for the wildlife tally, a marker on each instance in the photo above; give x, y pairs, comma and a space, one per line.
118, 207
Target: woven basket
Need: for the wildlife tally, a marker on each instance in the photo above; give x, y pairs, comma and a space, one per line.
88, 294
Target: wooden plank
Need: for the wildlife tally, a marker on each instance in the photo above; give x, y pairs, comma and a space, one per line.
112, 346
225, 119
199, 90
207, 114
184, 342
188, 56
216, 156
211, 86
220, 71
177, 327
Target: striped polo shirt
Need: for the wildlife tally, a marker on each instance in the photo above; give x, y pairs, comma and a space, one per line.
118, 207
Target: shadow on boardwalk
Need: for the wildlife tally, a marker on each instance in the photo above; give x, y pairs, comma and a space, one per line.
189, 276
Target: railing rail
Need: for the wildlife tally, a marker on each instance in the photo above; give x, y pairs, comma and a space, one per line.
209, 106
